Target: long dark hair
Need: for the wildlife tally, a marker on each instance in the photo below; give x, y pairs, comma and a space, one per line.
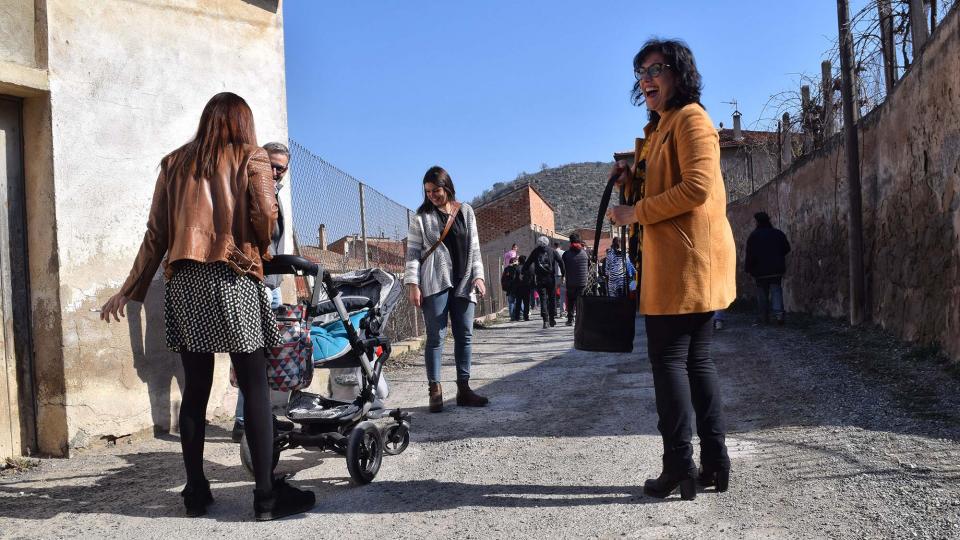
439, 177
679, 57
226, 120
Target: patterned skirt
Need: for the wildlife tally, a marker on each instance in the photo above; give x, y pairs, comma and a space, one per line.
209, 308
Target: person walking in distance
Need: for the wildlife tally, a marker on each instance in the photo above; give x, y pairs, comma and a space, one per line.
560, 295
508, 256
444, 277
509, 283
689, 264
213, 213
544, 263
618, 269
524, 292
766, 261
576, 264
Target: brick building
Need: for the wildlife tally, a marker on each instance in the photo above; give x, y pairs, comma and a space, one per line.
519, 217
515, 209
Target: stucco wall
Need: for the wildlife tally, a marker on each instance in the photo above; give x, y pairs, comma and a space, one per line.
910, 170
128, 80
17, 32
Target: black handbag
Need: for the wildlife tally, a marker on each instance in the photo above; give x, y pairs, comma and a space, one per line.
604, 323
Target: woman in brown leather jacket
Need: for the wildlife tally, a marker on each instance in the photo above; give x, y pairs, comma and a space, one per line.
212, 215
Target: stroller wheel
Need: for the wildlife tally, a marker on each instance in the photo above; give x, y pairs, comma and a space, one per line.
364, 453
247, 459
396, 438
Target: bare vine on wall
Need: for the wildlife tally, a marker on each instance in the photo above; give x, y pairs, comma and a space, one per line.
810, 122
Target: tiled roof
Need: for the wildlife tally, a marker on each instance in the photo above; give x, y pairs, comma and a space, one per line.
749, 138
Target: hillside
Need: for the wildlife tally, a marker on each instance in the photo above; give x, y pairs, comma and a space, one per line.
574, 190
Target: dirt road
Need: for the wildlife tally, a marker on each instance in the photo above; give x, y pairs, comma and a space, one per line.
832, 434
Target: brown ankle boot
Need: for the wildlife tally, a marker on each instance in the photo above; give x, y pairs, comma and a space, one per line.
467, 397
436, 397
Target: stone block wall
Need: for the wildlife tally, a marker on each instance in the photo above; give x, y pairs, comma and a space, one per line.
910, 171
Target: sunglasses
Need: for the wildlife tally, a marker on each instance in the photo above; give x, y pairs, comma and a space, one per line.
654, 70
278, 168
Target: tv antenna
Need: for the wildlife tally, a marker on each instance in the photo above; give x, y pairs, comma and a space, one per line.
736, 106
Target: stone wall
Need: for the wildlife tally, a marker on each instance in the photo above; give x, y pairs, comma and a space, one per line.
910, 170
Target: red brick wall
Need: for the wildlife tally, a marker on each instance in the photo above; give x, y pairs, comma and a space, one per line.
503, 216
541, 215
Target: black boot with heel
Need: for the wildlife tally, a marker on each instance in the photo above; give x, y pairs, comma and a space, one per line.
718, 477
667, 483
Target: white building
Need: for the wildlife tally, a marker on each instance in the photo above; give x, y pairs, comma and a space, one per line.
92, 95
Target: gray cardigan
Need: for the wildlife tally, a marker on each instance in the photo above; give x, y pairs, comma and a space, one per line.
434, 275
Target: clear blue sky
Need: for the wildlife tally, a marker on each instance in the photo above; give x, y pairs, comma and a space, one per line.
487, 89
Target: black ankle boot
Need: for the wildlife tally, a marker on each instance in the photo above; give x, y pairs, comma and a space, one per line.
197, 498
282, 501
667, 483
713, 476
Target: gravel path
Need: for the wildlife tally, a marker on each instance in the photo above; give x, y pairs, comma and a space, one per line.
833, 434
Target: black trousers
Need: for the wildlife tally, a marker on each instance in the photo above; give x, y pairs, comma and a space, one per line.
573, 292
687, 387
521, 304
548, 301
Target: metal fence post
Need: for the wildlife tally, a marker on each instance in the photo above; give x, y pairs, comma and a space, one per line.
363, 228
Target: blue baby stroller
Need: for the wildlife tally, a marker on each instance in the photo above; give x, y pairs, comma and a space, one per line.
348, 314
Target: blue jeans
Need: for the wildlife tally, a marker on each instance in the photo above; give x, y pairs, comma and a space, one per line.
772, 289
437, 309
511, 301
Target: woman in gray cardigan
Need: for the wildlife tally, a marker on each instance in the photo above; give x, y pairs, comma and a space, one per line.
444, 277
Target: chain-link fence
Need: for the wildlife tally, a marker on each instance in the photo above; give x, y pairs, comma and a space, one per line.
344, 224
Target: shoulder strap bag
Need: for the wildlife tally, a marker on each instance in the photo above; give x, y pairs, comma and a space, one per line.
604, 323
446, 231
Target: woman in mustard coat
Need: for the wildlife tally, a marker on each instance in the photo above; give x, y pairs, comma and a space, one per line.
688, 266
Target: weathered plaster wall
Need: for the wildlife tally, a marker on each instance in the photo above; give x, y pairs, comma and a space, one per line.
910, 170
128, 80
17, 32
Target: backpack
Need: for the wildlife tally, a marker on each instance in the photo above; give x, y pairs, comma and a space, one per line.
543, 265
509, 278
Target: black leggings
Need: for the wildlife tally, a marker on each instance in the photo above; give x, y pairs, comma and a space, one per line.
251, 370
686, 385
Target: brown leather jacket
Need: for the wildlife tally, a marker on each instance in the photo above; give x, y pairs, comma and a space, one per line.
226, 218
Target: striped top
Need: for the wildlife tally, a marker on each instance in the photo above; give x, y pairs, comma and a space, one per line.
435, 274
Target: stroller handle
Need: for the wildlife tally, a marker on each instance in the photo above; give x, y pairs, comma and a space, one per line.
291, 264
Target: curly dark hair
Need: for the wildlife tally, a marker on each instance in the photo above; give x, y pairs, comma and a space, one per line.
680, 59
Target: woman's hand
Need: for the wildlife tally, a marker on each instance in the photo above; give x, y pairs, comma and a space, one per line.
620, 171
480, 286
413, 294
622, 215
114, 306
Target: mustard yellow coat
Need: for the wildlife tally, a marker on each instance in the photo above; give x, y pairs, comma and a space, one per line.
689, 257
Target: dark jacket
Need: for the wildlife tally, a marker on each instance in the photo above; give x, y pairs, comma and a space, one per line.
576, 263
767, 248
510, 279
227, 218
542, 278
